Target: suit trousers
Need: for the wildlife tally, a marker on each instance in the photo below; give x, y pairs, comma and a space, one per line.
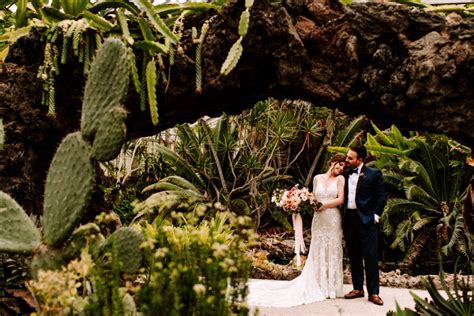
362, 248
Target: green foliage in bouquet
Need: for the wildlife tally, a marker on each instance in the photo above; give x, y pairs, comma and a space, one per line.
197, 270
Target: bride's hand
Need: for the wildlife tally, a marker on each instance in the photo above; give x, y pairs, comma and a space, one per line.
319, 206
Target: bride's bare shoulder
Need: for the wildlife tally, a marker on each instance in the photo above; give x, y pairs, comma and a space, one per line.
341, 178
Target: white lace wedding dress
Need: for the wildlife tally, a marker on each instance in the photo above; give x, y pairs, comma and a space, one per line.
322, 275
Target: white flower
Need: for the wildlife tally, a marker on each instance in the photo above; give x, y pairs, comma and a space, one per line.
199, 288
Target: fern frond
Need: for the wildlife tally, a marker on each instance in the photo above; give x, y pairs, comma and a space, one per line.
151, 89
232, 57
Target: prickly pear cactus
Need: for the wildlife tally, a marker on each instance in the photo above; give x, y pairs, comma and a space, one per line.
106, 86
46, 258
83, 236
17, 232
126, 241
111, 134
68, 188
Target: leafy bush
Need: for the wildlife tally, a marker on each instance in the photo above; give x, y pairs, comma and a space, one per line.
197, 270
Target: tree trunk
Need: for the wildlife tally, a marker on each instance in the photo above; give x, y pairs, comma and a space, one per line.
393, 63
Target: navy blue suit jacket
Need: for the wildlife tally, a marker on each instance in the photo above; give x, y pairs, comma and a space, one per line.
370, 194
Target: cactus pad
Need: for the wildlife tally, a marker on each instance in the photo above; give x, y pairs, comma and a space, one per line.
46, 258
126, 241
83, 236
68, 188
106, 85
18, 234
111, 134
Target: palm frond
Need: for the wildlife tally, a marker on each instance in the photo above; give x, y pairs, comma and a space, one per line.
401, 233
416, 193
416, 168
184, 168
457, 236
397, 204
393, 179
423, 222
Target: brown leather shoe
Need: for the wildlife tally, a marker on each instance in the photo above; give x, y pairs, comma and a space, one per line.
354, 294
377, 300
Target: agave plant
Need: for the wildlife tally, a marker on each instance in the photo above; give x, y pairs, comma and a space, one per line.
430, 176
456, 301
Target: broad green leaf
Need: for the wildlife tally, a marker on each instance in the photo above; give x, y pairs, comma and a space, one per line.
383, 137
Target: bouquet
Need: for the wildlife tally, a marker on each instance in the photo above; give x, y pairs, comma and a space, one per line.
292, 201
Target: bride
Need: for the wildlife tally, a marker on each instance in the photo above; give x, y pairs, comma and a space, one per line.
322, 275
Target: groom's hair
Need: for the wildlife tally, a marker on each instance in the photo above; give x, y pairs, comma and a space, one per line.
360, 151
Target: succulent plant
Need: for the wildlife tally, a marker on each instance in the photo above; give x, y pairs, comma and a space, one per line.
68, 188
126, 242
46, 258
71, 175
111, 134
106, 85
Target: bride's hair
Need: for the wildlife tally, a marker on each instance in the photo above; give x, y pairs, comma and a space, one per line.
337, 158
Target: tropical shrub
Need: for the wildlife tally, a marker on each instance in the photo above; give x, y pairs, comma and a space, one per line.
427, 176
240, 160
197, 269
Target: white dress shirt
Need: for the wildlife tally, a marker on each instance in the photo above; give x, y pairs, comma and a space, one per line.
352, 187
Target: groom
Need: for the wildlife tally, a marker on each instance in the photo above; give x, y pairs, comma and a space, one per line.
364, 202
